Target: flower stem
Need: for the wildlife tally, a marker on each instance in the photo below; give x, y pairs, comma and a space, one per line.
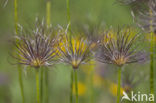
19, 67
37, 86
48, 12
71, 86
151, 55
68, 14
21, 83
71, 77
48, 20
91, 85
46, 86
41, 84
76, 85
151, 74
119, 85
15, 16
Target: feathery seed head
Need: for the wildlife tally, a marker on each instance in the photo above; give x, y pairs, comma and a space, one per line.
145, 18
120, 50
37, 49
75, 51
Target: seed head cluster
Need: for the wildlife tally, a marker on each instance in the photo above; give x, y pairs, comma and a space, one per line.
40, 49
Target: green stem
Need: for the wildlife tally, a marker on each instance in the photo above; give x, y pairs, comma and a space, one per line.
48, 20
76, 85
19, 67
119, 85
15, 16
91, 86
46, 86
68, 14
21, 83
69, 28
37, 86
41, 84
151, 70
71, 86
151, 56
48, 12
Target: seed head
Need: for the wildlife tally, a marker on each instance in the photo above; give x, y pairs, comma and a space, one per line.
75, 51
120, 49
146, 18
37, 49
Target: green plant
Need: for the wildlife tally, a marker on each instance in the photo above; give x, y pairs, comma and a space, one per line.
19, 67
37, 50
75, 52
119, 50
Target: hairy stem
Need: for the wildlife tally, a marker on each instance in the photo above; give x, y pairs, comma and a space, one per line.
37, 86
76, 85
119, 85
71, 86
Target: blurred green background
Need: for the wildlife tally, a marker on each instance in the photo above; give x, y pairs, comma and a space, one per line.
108, 12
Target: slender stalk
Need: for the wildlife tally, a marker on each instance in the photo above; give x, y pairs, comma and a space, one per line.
72, 72
46, 86
151, 72
48, 20
37, 86
69, 28
48, 12
76, 85
119, 85
19, 67
21, 83
41, 84
91, 85
68, 14
16, 16
151, 56
71, 86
